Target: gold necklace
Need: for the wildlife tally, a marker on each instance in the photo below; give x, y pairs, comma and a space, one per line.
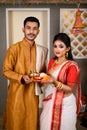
57, 62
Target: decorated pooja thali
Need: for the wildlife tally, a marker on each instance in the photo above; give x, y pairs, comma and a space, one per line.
38, 77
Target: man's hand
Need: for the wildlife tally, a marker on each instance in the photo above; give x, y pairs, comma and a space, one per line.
26, 79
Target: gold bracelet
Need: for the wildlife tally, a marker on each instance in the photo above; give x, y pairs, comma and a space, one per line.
59, 85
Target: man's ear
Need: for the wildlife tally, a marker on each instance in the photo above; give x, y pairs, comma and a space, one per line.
23, 30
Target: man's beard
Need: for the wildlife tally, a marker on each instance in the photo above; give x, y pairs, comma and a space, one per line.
30, 37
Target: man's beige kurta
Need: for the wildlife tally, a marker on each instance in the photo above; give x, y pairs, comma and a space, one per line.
21, 111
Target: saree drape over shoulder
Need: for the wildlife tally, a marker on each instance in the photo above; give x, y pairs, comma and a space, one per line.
59, 112
21, 111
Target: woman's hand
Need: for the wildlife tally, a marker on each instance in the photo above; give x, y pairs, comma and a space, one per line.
48, 81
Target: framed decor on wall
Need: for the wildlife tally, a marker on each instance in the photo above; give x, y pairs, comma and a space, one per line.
78, 41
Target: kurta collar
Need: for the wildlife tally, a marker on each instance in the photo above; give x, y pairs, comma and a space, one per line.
27, 44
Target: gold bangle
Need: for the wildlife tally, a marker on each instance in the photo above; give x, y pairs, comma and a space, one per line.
59, 85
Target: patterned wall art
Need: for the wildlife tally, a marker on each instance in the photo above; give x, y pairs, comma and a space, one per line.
78, 41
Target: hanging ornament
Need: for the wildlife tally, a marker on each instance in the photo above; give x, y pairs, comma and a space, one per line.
78, 26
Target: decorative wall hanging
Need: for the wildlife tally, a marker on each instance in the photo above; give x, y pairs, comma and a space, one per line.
78, 26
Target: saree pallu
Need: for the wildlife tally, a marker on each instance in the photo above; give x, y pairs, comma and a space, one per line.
51, 116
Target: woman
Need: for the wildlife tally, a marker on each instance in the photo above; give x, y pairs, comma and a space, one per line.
62, 94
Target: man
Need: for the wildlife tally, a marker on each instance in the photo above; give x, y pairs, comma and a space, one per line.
21, 111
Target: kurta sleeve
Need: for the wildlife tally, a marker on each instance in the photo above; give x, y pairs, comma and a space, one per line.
9, 64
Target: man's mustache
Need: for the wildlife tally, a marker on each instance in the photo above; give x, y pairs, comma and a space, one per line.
31, 34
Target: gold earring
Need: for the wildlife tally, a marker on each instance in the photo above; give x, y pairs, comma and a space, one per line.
66, 55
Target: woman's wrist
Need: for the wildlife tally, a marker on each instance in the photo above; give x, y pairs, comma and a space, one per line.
59, 85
